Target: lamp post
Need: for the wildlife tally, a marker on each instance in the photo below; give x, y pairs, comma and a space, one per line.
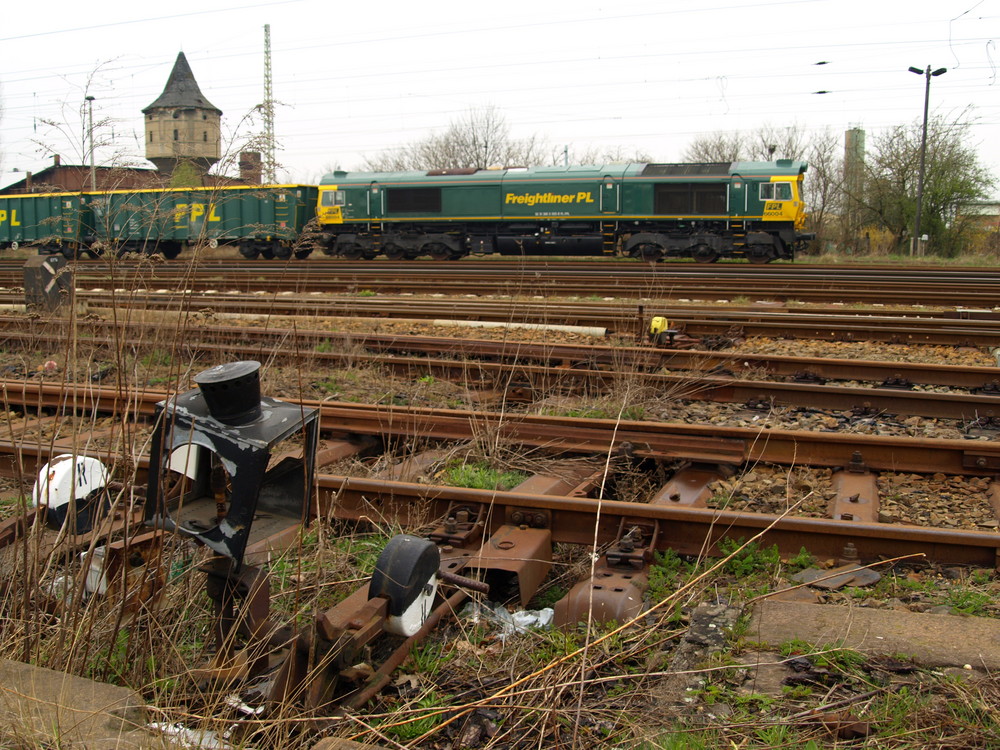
928, 74
90, 133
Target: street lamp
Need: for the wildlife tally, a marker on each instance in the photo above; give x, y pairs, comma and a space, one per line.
928, 74
90, 132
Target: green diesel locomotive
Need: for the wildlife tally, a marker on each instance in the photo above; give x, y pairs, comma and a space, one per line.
650, 211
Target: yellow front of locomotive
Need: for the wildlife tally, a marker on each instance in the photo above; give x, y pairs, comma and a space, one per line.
782, 199
331, 205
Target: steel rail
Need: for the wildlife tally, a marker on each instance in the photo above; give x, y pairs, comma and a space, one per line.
690, 531
658, 440
641, 359
950, 287
518, 381
617, 318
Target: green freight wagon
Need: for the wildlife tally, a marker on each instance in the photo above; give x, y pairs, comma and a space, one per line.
650, 211
52, 222
260, 220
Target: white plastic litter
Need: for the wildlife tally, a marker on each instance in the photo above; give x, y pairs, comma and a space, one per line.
508, 623
198, 739
233, 700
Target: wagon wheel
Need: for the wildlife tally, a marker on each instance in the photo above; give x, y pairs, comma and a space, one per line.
704, 254
303, 254
249, 251
267, 253
281, 251
68, 253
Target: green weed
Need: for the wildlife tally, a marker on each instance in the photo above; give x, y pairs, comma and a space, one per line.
481, 476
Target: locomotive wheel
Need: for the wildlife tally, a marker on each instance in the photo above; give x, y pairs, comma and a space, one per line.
352, 251
394, 252
281, 251
651, 253
303, 254
704, 254
438, 251
760, 254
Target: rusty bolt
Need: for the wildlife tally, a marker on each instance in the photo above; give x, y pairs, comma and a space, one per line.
538, 520
462, 516
450, 525
846, 516
517, 518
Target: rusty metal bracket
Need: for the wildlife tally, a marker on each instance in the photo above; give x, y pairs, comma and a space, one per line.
809, 377
463, 525
898, 382
535, 518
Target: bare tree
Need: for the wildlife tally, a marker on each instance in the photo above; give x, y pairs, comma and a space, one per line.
478, 139
767, 143
598, 155
823, 185
716, 147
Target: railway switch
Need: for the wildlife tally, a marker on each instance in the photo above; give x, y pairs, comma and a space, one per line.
72, 489
215, 473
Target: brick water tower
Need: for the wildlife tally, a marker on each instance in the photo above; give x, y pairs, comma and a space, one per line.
182, 125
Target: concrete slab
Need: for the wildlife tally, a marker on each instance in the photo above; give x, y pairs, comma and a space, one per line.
932, 640
54, 709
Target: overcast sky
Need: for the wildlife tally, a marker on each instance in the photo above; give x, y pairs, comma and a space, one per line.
355, 78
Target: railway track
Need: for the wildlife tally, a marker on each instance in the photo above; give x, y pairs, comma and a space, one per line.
881, 285
523, 372
855, 458
616, 318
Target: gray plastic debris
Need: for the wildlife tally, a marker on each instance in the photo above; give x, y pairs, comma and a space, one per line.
507, 623
198, 739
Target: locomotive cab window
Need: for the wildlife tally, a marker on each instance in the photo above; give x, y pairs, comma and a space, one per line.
776, 191
333, 198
